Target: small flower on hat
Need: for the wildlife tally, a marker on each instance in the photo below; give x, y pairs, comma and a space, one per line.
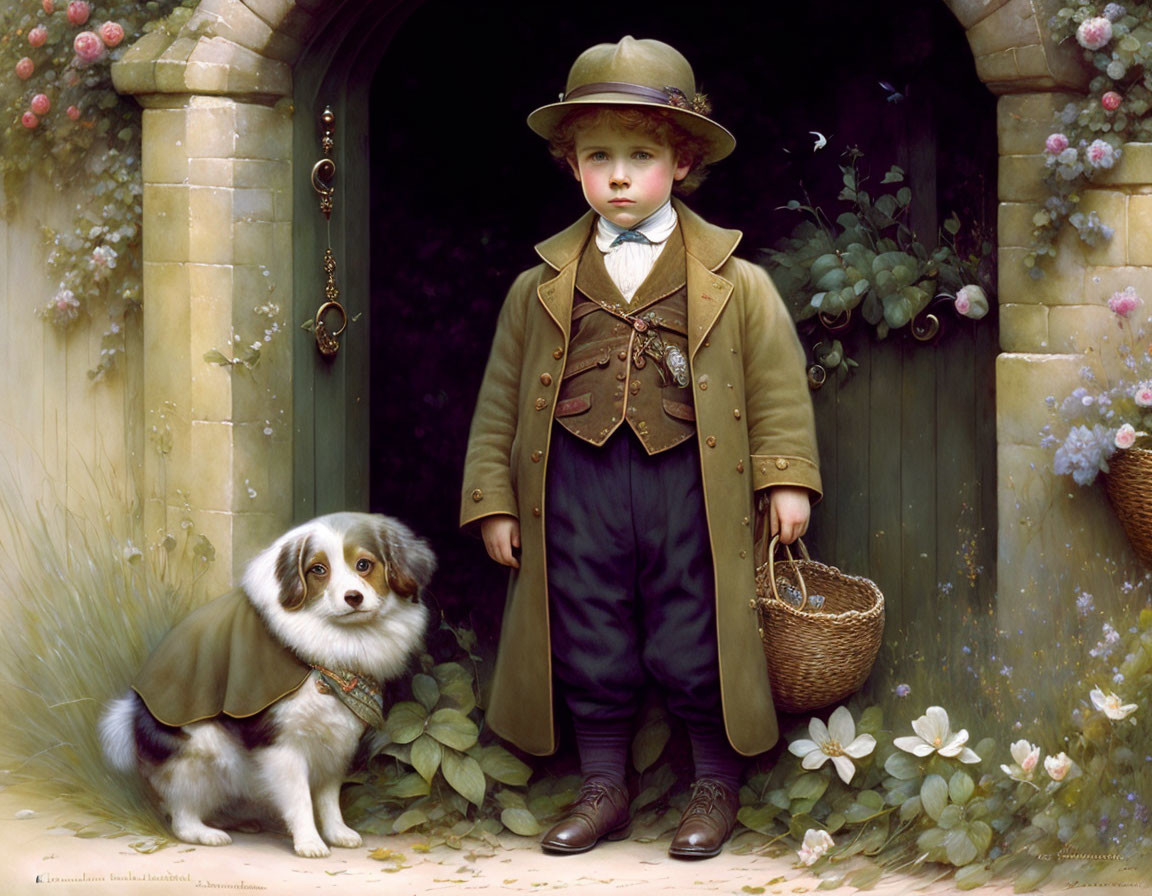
1056, 144
24, 68
111, 33
78, 12
1094, 33
73, 112
88, 46
29, 120
1111, 100
40, 104
49, 6
37, 36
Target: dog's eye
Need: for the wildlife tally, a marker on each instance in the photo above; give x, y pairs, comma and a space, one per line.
364, 565
318, 569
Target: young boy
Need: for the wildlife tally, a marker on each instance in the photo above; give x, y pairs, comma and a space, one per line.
642, 389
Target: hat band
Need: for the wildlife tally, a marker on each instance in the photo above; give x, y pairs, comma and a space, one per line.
664, 97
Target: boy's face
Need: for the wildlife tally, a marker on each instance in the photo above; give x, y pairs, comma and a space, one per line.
626, 174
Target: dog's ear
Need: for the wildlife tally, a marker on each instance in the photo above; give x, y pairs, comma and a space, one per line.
409, 557
290, 572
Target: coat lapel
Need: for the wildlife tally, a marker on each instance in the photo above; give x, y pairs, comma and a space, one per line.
707, 247
562, 252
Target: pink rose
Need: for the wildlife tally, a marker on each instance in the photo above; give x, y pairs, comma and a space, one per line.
111, 33
971, 301
88, 46
24, 68
1101, 154
73, 112
1094, 33
37, 36
1126, 436
1056, 144
40, 104
1124, 303
78, 12
29, 120
1111, 100
1143, 395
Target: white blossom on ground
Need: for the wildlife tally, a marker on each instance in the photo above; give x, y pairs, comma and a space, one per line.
1110, 705
836, 741
934, 735
1025, 758
816, 843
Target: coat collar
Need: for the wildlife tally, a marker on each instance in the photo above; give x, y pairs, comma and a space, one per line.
709, 244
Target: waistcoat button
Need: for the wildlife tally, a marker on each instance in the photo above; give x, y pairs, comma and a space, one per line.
536, 456
546, 379
541, 403
558, 353
711, 441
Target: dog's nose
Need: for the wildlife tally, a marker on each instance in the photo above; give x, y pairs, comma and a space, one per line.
353, 598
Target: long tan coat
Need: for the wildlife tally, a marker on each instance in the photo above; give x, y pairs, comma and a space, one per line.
755, 427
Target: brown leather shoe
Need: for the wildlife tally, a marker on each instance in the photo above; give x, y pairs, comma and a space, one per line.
600, 812
707, 821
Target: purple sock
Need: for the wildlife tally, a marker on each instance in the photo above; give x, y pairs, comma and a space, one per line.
603, 748
713, 756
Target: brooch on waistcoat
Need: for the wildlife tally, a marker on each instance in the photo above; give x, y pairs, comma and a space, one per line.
671, 362
361, 694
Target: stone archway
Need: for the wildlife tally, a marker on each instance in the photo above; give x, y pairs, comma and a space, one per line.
218, 162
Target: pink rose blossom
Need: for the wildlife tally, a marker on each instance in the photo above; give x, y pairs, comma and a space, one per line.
1101, 154
1143, 395
40, 104
1094, 33
1126, 436
1124, 303
37, 36
73, 112
971, 301
1111, 100
111, 33
78, 12
24, 68
29, 120
1056, 144
88, 46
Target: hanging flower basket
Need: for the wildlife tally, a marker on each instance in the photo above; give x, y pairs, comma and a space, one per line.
1129, 482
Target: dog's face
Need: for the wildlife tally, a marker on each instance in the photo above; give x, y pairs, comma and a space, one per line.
345, 567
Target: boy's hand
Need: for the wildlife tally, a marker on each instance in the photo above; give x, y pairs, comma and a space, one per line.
788, 512
501, 534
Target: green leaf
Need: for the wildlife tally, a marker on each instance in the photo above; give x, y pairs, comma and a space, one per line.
871, 799
952, 224
510, 799
464, 775
425, 689
980, 833
910, 808
426, 754
453, 729
808, 787
501, 765
760, 819
972, 876
456, 685
865, 878
649, 743
934, 796
217, 357
903, 195
961, 787
407, 820
950, 817
521, 821
405, 722
407, 787
902, 766
858, 812
895, 175
959, 848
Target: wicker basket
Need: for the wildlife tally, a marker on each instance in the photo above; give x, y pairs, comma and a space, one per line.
816, 657
1129, 483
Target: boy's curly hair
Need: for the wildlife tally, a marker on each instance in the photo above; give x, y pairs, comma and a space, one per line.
656, 123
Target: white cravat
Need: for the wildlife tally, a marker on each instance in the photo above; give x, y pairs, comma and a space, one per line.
629, 263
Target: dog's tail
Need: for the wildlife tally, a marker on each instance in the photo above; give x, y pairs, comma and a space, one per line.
117, 736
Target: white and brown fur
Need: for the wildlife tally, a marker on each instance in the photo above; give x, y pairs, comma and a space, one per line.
341, 591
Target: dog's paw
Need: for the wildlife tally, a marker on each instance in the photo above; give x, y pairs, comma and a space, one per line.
202, 834
311, 848
343, 836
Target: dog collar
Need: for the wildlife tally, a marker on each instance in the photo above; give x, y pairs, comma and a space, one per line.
361, 694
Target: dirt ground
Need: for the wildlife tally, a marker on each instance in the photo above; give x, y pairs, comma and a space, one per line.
43, 855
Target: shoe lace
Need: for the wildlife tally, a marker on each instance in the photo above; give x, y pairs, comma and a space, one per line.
705, 795
593, 793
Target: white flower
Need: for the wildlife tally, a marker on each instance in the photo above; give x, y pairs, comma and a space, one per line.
1026, 757
816, 843
1126, 436
1058, 766
1110, 705
1094, 33
837, 741
934, 735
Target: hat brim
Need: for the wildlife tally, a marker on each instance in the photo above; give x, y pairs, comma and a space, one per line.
543, 121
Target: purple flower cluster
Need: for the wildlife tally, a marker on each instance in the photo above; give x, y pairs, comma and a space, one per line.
1084, 453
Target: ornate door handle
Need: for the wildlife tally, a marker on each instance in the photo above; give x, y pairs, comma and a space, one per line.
323, 182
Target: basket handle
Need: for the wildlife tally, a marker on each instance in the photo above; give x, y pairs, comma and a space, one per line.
772, 568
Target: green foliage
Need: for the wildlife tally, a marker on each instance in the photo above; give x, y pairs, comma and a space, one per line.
867, 264
87, 144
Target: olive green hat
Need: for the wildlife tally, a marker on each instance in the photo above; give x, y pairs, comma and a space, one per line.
637, 73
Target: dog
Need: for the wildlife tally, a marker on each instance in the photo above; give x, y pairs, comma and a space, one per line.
259, 699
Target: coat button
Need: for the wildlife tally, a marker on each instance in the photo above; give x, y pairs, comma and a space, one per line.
634, 388
739, 466
781, 464
736, 413
477, 495
711, 441
623, 356
703, 383
536, 456
541, 403
558, 353
546, 379
743, 554
535, 511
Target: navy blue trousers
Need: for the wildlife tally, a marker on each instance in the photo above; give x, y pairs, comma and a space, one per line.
630, 579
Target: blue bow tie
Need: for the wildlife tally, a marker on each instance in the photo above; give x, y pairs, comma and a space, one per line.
629, 236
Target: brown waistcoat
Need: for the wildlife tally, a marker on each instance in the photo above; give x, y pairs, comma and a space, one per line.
608, 378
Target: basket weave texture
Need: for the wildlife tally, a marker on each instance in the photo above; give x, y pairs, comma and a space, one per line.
817, 657
1129, 483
